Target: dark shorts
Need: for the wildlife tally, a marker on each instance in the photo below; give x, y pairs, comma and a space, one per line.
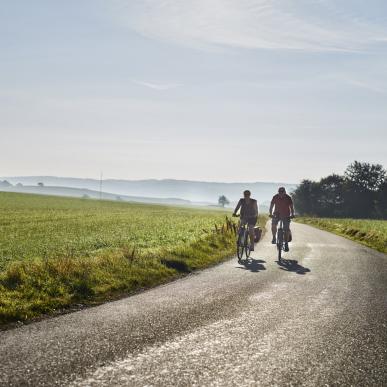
250, 220
286, 222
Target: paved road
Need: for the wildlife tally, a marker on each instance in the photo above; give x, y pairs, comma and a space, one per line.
322, 321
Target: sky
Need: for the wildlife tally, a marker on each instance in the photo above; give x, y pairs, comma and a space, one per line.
213, 90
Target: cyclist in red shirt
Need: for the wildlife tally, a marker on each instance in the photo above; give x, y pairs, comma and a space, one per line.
283, 207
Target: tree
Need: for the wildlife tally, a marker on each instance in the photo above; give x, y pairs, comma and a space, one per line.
364, 180
40, 184
331, 196
360, 193
365, 176
223, 201
5, 183
381, 201
305, 197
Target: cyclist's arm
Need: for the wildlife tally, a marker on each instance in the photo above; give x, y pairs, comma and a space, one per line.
271, 208
292, 209
256, 208
237, 207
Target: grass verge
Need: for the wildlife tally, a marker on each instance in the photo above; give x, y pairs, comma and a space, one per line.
371, 233
44, 285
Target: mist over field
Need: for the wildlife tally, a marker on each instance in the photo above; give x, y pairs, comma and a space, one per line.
139, 190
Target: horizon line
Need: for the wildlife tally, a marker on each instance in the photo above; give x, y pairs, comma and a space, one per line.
147, 179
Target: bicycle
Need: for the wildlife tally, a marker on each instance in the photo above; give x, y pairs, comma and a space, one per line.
243, 242
281, 237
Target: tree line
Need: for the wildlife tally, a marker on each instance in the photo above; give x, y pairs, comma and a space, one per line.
360, 193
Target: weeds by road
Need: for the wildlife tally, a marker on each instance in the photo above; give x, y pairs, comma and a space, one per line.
372, 233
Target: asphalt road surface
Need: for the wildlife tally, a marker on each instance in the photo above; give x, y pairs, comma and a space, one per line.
320, 321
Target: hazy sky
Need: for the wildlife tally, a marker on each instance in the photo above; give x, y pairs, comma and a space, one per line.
219, 90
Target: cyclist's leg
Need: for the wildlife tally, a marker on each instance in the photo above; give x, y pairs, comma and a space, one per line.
286, 222
252, 222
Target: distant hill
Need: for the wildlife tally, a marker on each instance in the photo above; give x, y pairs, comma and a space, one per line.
193, 191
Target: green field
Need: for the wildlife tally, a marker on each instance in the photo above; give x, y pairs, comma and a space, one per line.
35, 226
372, 233
55, 252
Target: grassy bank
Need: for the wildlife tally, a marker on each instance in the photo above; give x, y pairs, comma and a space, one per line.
371, 233
57, 252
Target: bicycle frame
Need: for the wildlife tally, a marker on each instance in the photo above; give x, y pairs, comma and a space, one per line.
243, 245
280, 238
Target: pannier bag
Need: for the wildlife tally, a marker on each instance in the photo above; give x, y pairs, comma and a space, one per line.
257, 234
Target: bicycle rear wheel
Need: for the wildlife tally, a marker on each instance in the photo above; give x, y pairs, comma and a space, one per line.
280, 241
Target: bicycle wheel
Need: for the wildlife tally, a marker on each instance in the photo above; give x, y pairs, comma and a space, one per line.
240, 246
280, 241
240, 249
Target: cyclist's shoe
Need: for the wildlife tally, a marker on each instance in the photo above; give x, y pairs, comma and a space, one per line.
273, 241
286, 247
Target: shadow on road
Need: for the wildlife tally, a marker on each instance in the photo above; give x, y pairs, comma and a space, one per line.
254, 265
292, 265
